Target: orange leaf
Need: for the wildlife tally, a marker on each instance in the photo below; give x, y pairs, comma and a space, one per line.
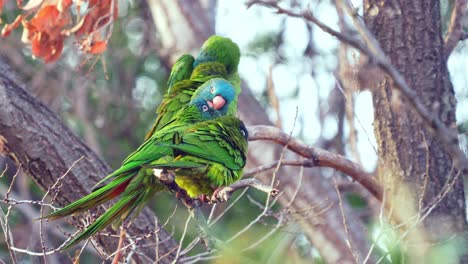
98, 16
50, 21
98, 47
46, 18
44, 47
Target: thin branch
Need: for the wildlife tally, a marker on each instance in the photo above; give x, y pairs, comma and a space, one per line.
455, 29
182, 239
320, 157
4, 220
268, 204
7, 233
345, 225
117, 256
225, 193
228, 207
299, 163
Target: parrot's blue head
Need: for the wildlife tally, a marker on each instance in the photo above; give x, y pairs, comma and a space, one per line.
214, 97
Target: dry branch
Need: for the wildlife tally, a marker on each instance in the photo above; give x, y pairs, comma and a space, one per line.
319, 157
37, 138
455, 30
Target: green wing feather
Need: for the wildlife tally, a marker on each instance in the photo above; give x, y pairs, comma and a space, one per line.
181, 70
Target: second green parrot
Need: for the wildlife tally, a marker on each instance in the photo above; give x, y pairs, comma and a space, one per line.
218, 58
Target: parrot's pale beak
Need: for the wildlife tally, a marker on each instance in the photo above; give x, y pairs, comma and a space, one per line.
217, 103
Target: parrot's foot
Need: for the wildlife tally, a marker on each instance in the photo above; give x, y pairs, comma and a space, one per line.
221, 194
204, 198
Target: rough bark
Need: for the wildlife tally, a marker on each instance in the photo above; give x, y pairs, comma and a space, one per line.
325, 229
410, 34
45, 148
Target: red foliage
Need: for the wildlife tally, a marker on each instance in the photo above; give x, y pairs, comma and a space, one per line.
44, 32
47, 23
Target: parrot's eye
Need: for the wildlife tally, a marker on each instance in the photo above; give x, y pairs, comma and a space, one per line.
212, 90
244, 132
205, 108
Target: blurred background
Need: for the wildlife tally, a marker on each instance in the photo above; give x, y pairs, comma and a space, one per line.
288, 65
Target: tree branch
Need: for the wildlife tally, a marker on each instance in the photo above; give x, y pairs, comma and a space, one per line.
455, 29
319, 157
36, 138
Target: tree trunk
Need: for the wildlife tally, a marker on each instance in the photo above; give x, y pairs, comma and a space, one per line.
413, 165
45, 149
324, 228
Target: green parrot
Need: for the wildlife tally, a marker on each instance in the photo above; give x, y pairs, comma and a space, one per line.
218, 58
203, 155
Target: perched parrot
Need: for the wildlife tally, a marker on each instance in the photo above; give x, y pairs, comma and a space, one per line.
218, 58
214, 49
203, 148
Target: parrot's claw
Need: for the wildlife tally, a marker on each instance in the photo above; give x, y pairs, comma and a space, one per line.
204, 198
221, 195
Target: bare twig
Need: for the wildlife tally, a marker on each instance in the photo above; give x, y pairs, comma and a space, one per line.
53, 188
227, 208
300, 163
203, 229
117, 256
268, 204
4, 220
182, 239
7, 233
140, 238
421, 215
225, 193
455, 29
345, 225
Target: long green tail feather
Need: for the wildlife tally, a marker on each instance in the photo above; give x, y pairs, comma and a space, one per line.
98, 197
